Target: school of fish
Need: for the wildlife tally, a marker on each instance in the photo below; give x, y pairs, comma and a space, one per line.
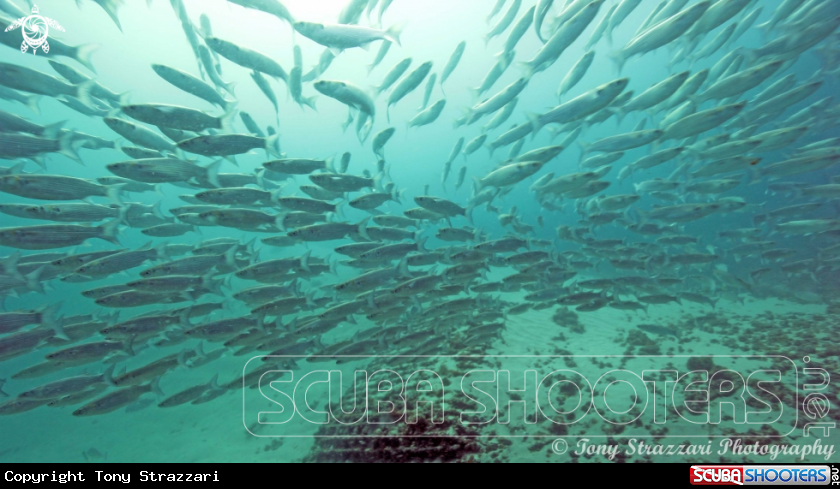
408, 274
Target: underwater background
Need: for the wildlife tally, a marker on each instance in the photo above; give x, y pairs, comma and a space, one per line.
754, 305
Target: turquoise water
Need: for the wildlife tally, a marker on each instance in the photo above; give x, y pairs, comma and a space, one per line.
749, 303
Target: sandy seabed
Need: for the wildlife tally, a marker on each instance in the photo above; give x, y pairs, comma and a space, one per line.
215, 432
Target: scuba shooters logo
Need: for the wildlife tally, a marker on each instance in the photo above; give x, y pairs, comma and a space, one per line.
530, 401
35, 29
745, 475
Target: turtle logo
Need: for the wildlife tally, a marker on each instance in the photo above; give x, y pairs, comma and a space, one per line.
36, 28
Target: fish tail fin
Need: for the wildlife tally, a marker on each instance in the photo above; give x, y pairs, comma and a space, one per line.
476, 186
280, 222
226, 121
619, 60
228, 105
765, 28
83, 92
362, 229
65, 143
421, 245
329, 164
83, 54
32, 103
33, 280
641, 217
17, 169
527, 69
111, 9
213, 385
49, 320
393, 33
124, 99
310, 102
184, 320
53, 131
379, 178
304, 261
272, 145
156, 210
275, 195
396, 196
310, 301
297, 288
108, 375
750, 56
491, 149
122, 214
536, 125
620, 114
9, 265
110, 231
215, 286
113, 192
584, 150
155, 388
230, 256
697, 100
230, 87
128, 345
162, 252
403, 268
213, 173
